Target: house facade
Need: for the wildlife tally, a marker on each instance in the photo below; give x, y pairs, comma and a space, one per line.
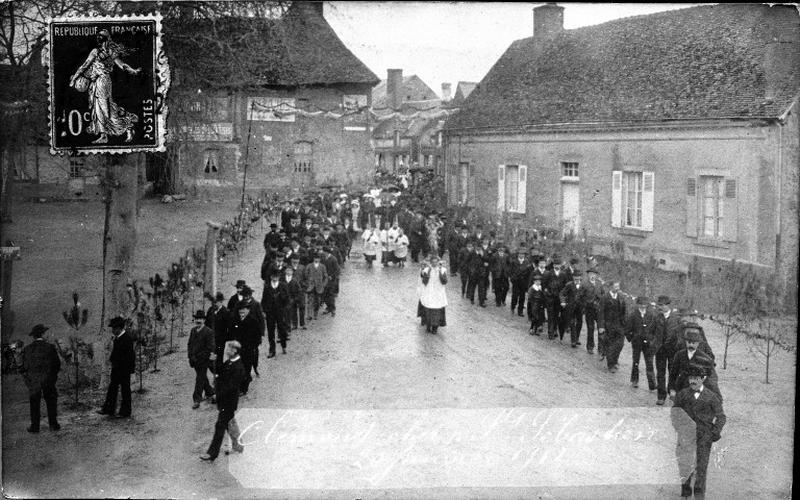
408, 120
295, 114
685, 149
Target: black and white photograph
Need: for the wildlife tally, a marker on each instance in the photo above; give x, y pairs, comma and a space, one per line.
284, 249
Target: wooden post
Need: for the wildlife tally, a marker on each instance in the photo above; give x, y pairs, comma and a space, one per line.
210, 274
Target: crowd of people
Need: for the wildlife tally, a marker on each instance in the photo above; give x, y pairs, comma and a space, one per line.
305, 255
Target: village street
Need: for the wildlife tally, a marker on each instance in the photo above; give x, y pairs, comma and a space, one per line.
372, 375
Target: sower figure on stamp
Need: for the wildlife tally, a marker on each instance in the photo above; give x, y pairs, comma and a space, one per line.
202, 353
40, 367
229, 380
611, 326
641, 334
705, 408
107, 117
123, 365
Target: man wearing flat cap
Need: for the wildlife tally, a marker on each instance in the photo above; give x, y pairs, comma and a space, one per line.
123, 365
705, 408
40, 367
667, 344
641, 333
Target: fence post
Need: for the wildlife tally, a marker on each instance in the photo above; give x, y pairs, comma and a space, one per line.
210, 275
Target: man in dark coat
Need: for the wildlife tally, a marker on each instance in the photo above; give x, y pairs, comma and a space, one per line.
500, 275
229, 380
218, 318
245, 331
688, 357
705, 408
464, 259
258, 315
40, 367
573, 299
641, 333
594, 291
236, 297
554, 280
201, 350
668, 328
478, 276
296, 309
332, 288
454, 245
611, 326
272, 239
520, 274
123, 365
315, 277
274, 301
536, 303
416, 236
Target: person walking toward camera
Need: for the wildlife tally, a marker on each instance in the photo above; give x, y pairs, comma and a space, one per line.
705, 408
123, 365
611, 326
40, 367
201, 350
230, 378
433, 295
641, 333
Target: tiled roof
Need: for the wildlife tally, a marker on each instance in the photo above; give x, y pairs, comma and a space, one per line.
413, 89
464, 89
300, 48
705, 62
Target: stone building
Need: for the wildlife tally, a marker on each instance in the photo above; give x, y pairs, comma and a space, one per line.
674, 133
285, 97
408, 120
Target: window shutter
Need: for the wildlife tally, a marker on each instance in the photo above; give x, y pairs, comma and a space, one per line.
691, 207
501, 188
730, 212
522, 191
616, 198
648, 200
471, 186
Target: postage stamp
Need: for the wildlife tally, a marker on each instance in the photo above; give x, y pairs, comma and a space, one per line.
108, 79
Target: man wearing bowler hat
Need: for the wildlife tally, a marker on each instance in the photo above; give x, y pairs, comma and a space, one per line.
202, 352
641, 333
692, 355
218, 318
123, 364
40, 367
705, 408
667, 344
272, 238
236, 297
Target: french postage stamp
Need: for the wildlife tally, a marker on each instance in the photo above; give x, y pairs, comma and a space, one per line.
108, 79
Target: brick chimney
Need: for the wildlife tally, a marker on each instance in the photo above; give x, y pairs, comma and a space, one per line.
446, 95
548, 22
394, 88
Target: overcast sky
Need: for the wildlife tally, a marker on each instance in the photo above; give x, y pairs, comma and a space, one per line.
451, 42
